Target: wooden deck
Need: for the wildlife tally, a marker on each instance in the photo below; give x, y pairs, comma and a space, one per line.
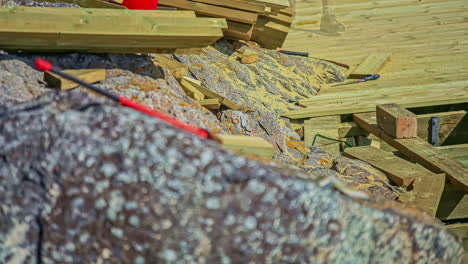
428, 40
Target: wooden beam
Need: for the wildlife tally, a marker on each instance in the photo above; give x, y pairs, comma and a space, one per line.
178, 70
103, 30
213, 11
87, 75
212, 104
350, 129
210, 94
398, 170
453, 204
420, 151
448, 122
397, 121
191, 90
372, 64
248, 145
426, 193
326, 126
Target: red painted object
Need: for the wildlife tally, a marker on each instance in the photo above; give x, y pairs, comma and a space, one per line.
166, 118
46, 66
141, 4
43, 65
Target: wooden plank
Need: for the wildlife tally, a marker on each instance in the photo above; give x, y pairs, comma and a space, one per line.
248, 145
448, 121
397, 121
455, 151
350, 129
213, 11
269, 34
191, 90
87, 75
210, 94
407, 98
326, 126
239, 31
251, 7
109, 30
212, 104
420, 151
372, 64
453, 204
398, 170
178, 70
426, 193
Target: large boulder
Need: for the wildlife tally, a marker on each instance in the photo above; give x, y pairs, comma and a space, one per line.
87, 181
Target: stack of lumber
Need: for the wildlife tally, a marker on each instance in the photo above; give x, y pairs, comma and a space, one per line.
266, 22
436, 182
105, 30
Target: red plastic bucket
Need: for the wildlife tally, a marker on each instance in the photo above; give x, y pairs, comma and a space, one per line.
141, 4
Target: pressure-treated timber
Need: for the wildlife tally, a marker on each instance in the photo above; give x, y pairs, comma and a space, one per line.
86, 75
397, 121
104, 30
346, 103
448, 122
212, 104
246, 6
247, 145
453, 204
372, 64
213, 11
419, 151
325, 126
398, 170
209, 94
426, 193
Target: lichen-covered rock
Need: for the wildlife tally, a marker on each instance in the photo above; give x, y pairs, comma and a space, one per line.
111, 185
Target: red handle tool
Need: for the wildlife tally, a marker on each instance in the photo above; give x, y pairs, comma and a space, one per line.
46, 66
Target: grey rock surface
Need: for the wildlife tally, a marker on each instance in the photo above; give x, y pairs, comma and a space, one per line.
107, 184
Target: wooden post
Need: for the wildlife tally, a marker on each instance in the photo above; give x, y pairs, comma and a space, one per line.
397, 121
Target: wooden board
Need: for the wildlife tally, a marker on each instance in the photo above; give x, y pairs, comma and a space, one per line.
211, 104
87, 75
426, 193
103, 30
248, 145
398, 170
420, 151
448, 122
213, 11
209, 94
178, 70
397, 121
239, 31
326, 126
191, 90
346, 103
372, 64
350, 129
453, 204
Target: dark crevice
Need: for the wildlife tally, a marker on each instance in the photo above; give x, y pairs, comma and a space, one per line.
39, 239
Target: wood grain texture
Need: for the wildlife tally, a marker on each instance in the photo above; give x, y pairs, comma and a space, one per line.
87, 75
326, 126
398, 170
421, 152
397, 121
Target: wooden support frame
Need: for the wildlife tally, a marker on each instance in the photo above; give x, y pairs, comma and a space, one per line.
419, 151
